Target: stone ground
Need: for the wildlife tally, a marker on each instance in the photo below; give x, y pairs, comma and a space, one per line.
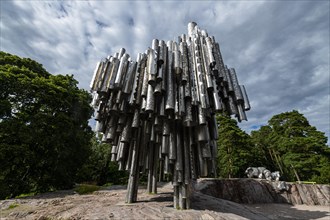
109, 204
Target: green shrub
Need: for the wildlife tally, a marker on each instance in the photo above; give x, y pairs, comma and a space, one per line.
82, 189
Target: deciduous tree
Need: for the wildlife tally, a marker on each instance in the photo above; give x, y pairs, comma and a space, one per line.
44, 132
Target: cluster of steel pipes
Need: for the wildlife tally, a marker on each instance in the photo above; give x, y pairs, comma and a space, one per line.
158, 112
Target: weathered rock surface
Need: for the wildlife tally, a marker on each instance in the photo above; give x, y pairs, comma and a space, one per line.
250, 191
110, 204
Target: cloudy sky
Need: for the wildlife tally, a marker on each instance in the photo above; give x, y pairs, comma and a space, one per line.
280, 50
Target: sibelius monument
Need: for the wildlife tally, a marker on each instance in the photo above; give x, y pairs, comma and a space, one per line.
158, 112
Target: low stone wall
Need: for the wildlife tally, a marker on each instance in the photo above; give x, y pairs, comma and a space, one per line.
251, 191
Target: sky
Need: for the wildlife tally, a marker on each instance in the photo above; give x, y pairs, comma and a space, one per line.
280, 50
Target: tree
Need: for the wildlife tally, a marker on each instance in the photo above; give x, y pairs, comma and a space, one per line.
99, 168
235, 152
294, 145
44, 132
261, 140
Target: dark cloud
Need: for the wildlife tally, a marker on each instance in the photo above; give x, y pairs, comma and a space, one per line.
131, 21
101, 24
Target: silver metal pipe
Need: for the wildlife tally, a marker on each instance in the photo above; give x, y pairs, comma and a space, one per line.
172, 145
241, 112
199, 74
170, 84
213, 128
188, 117
121, 73
207, 70
191, 29
229, 81
150, 102
130, 78
95, 77
138, 99
106, 77
192, 76
237, 88
216, 98
165, 143
186, 156
152, 67
158, 89
179, 148
185, 69
126, 134
121, 53
100, 76
161, 56
161, 109
166, 128
163, 71
177, 65
210, 52
232, 105
246, 99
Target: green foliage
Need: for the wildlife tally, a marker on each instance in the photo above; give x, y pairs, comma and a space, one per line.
290, 143
235, 152
99, 168
44, 132
13, 205
23, 195
261, 140
82, 189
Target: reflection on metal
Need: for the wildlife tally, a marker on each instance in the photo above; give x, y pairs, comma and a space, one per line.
158, 112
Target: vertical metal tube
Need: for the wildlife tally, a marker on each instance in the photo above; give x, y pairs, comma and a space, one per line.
192, 76
184, 61
237, 89
150, 100
155, 169
96, 74
121, 53
165, 143
130, 78
177, 65
188, 118
121, 73
246, 99
137, 99
229, 81
152, 67
145, 84
209, 52
186, 156
172, 146
150, 167
179, 146
170, 84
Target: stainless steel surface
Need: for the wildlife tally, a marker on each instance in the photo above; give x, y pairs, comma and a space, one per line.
158, 113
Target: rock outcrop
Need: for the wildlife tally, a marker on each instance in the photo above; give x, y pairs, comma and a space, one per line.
250, 191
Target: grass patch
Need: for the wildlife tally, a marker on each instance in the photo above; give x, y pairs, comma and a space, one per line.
82, 189
107, 185
12, 206
25, 195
